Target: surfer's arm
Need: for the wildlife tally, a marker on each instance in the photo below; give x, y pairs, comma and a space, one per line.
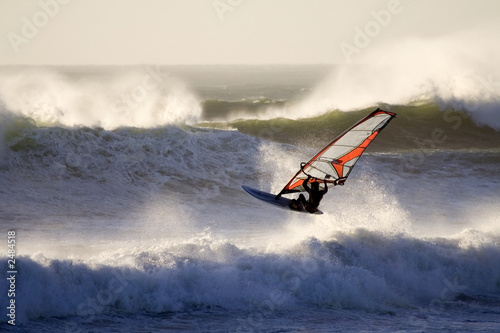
326, 187
305, 184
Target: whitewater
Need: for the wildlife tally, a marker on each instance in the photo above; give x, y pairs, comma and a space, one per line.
123, 187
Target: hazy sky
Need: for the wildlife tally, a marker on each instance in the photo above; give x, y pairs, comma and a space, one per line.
223, 31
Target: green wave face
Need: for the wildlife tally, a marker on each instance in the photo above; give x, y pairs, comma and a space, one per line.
418, 126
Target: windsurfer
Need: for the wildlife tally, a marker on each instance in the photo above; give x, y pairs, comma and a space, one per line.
315, 197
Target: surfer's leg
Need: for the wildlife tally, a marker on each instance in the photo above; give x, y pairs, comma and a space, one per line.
298, 204
302, 202
310, 210
302, 199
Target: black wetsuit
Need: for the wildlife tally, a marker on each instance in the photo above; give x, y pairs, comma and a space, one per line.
315, 197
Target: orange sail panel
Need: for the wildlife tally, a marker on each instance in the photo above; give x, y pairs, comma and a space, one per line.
334, 163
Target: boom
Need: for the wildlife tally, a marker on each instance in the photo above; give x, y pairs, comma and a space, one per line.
334, 163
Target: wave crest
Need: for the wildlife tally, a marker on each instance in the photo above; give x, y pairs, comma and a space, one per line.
359, 270
109, 99
454, 71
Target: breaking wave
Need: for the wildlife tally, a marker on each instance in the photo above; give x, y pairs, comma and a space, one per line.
359, 270
455, 71
143, 213
108, 98
418, 125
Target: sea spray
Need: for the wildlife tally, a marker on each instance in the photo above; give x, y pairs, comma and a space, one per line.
110, 99
149, 227
455, 71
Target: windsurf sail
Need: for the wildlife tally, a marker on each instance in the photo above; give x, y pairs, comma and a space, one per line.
334, 163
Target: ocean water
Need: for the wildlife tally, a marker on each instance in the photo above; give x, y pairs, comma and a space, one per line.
123, 187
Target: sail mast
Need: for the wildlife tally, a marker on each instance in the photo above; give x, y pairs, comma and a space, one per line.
334, 163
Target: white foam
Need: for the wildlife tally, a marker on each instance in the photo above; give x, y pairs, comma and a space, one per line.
458, 71
129, 97
358, 269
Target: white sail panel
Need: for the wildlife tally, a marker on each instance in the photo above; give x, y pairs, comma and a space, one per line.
334, 162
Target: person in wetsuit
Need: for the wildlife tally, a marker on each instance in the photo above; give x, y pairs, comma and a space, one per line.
315, 196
